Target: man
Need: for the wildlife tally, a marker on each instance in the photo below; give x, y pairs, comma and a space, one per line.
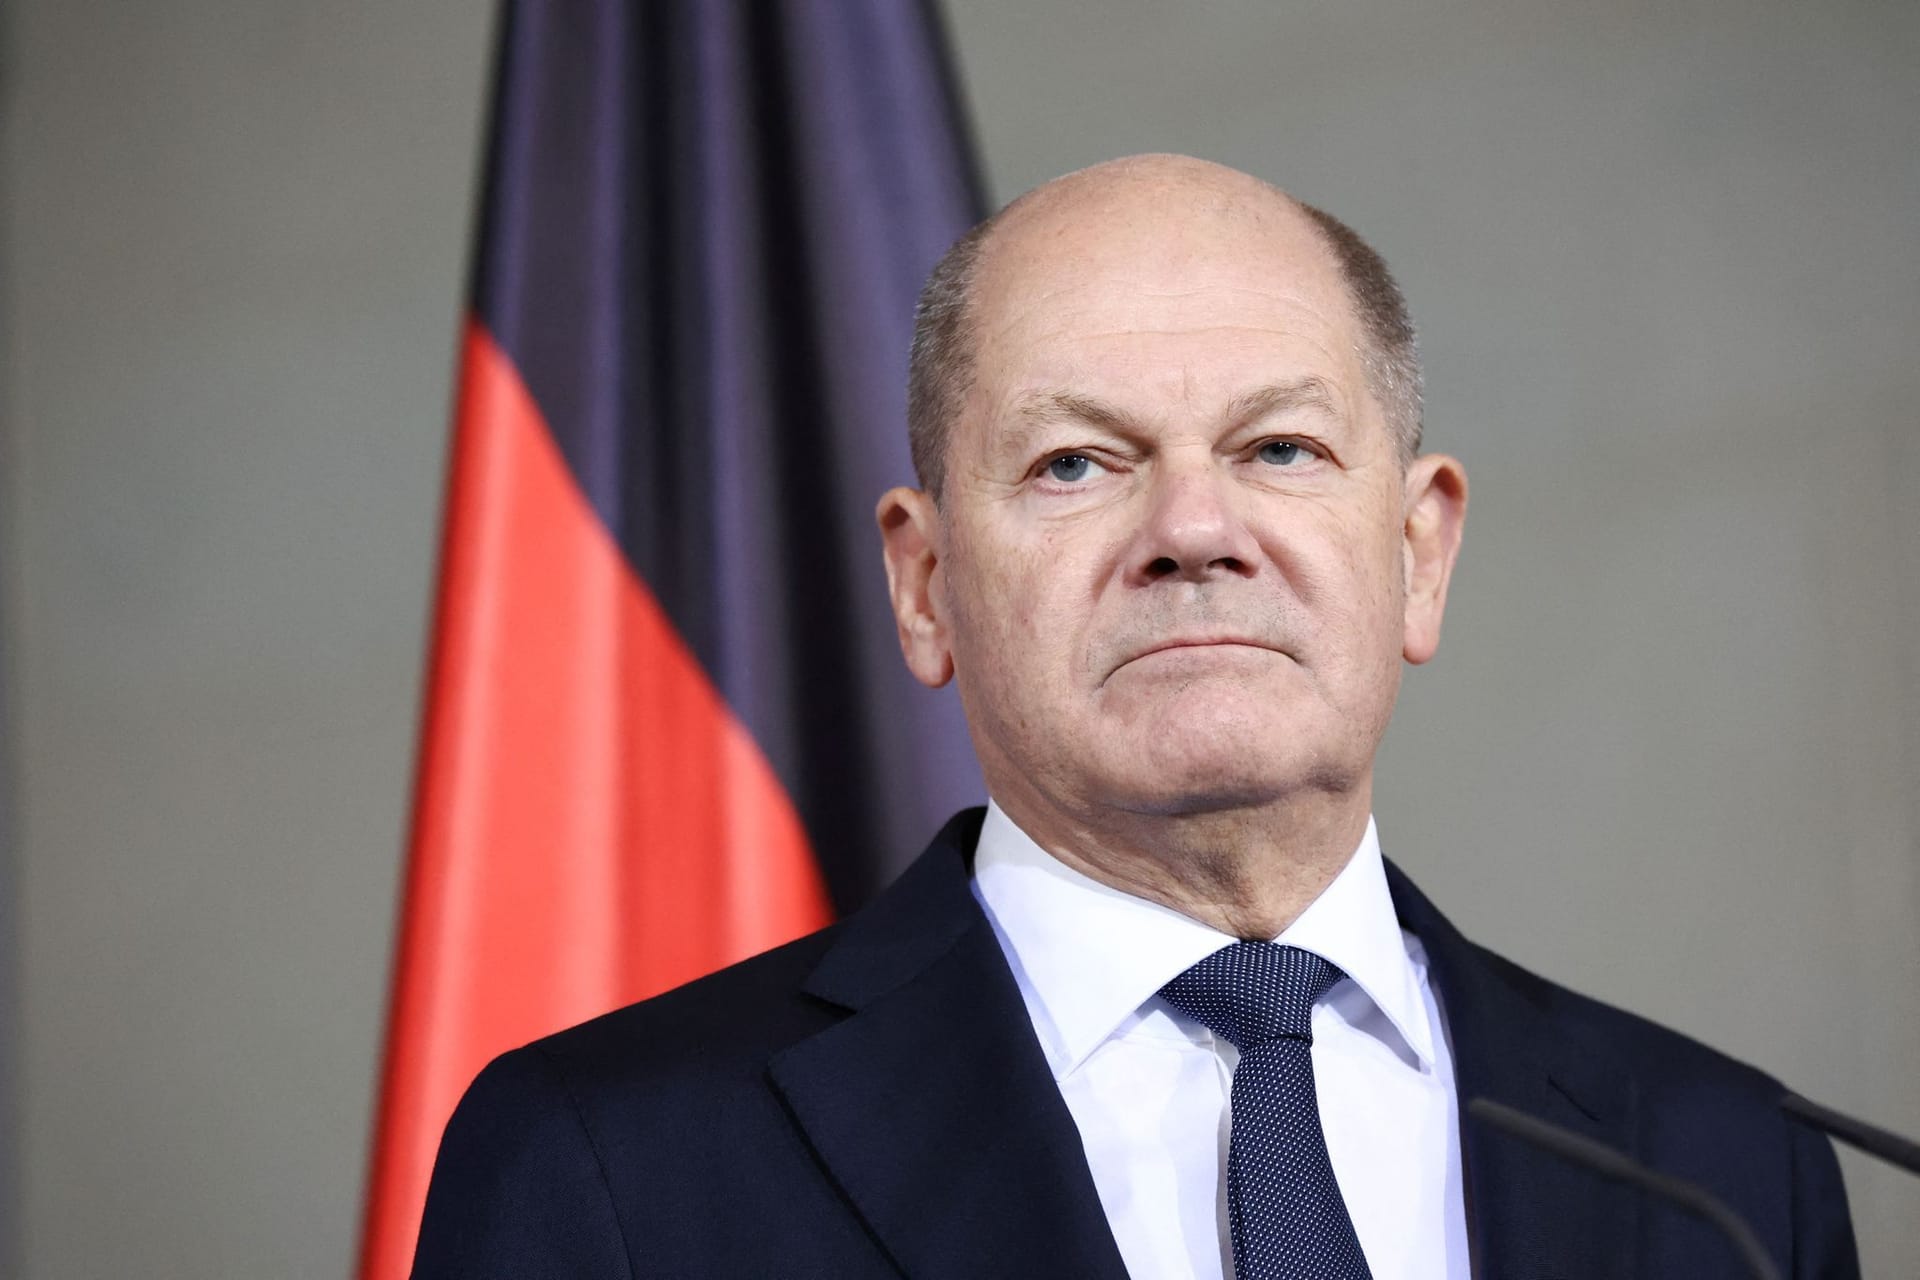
1163, 1010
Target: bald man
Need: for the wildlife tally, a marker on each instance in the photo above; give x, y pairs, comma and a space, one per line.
1162, 1008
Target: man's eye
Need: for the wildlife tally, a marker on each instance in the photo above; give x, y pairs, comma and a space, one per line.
1282, 453
1071, 469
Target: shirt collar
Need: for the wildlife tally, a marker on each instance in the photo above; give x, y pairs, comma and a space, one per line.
1088, 956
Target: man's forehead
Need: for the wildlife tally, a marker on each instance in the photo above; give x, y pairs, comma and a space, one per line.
1160, 230
1154, 196
1045, 405
1146, 179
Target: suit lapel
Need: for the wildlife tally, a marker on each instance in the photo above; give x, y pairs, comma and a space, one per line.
931, 1105
1530, 1213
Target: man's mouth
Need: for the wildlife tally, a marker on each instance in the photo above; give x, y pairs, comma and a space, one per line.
1205, 642
1198, 647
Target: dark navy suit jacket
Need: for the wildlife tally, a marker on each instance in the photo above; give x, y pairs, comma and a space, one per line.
871, 1101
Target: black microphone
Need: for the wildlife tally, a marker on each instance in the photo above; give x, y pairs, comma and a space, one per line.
1875, 1141
1617, 1165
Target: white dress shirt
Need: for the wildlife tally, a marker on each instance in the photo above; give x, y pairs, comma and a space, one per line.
1150, 1089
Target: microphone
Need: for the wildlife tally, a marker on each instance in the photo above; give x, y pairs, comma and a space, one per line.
1889, 1146
1599, 1158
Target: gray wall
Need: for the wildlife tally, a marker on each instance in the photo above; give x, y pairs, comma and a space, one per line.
235, 254
1667, 264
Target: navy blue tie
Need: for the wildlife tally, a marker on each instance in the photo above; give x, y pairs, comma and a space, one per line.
1287, 1216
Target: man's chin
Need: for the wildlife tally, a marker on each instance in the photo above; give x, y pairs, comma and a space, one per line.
1209, 750
1172, 784
1209, 716
1219, 796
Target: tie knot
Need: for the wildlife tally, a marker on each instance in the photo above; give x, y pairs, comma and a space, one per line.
1253, 993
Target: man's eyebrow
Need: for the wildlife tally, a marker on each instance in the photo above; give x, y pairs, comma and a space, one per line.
1054, 406
1282, 397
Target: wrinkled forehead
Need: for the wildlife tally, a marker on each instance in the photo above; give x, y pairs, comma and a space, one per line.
1153, 255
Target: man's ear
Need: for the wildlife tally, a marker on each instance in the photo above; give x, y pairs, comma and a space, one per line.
1436, 507
909, 537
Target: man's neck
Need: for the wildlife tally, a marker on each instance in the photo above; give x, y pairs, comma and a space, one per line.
1248, 872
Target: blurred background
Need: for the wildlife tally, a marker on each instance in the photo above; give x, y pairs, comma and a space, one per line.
1665, 259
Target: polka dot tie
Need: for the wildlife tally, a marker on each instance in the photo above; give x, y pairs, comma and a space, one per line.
1288, 1219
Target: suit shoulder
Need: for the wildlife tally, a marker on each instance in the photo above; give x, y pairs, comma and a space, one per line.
518, 1186
1666, 1059
1709, 1118
734, 1018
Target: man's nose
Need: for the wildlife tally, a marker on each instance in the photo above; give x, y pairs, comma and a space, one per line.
1192, 529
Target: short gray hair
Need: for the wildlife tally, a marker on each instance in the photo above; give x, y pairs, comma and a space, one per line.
941, 370
1391, 355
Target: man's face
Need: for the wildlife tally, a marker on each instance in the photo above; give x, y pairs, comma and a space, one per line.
1171, 564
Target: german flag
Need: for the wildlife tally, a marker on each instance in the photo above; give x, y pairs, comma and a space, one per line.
667, 725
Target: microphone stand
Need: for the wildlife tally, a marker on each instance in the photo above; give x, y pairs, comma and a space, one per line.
1620, 1167
1875, 1141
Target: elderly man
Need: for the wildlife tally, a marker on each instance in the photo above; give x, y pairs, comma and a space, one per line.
1162, 1009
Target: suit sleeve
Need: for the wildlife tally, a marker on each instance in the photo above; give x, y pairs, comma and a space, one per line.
1823, 1246
518, 1189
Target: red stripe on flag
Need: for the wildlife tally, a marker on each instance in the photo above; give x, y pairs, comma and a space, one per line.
593, 825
